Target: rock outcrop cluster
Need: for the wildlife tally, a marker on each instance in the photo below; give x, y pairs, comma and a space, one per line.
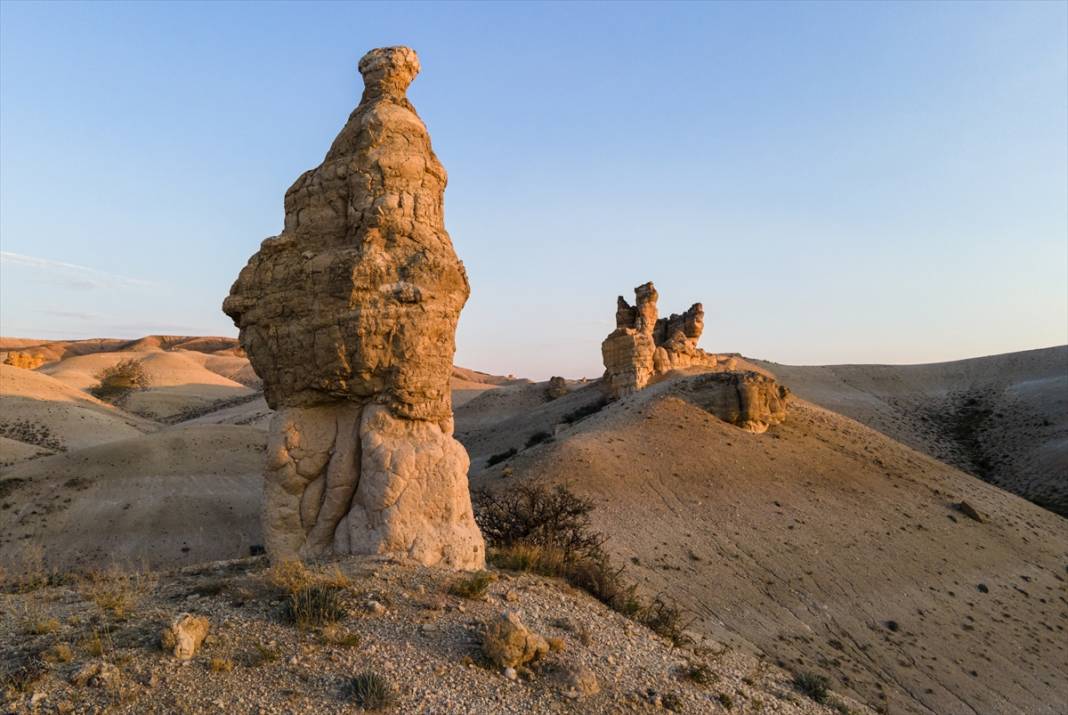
643, 346
745, 398
349, 317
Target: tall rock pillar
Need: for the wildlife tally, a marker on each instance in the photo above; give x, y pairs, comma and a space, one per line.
349, 317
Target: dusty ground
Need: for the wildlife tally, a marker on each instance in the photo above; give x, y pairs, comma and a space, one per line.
425, 642
1003, 418
822, 543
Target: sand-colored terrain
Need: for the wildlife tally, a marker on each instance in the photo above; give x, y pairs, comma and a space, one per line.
1003, 418
40, 411
822, 542
179, 496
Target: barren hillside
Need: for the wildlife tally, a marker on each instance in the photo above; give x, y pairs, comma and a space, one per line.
821, 542
1003, 418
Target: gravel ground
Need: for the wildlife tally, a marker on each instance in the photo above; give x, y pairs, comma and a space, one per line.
426, 643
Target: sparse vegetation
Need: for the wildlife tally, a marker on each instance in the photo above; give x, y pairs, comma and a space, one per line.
31, 432
334, 635
115, 590
262, 654
119, 380
26, 570
473, 586
372, 691
502, 456
20, 675
700, 674
538, 438
585, 410
317, 604
59, 653
813, 685
221, 665
725, 700
548, 532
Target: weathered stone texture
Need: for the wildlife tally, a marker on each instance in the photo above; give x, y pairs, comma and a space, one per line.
349, 317
744, 398
643, 346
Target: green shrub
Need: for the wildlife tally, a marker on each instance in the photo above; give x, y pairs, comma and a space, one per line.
813, 685
502, 456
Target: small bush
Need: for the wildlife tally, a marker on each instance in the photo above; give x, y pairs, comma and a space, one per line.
725, 700
536, 515
26, 569
262, 654
221, 665
498, 458
473, 586
372, 691
98, 643
315, 605
538, 438
666, 620
43, 626
59, 653
699, 673
585, 411
119, 380
813, 685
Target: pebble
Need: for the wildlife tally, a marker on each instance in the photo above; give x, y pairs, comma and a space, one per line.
510, 673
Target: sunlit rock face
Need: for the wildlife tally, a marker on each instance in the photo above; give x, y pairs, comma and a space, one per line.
349, 317
644, 346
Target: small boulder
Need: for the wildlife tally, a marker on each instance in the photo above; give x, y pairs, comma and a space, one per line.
184, 636
509, 644
579, 682
557, 387
970, 511
98, 674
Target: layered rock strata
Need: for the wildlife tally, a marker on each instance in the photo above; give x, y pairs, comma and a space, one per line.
643, 346
349, 317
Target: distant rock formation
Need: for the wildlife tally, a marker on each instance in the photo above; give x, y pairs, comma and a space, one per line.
643, 346
556, 388
26, 361
349, 317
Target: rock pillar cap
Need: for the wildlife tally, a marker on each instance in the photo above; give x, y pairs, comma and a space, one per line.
389, 70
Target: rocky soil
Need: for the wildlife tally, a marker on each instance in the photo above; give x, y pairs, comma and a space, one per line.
94, 647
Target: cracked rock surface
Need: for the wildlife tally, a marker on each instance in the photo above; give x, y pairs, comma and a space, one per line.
349, 317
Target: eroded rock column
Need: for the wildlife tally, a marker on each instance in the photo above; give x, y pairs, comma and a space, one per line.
349, 317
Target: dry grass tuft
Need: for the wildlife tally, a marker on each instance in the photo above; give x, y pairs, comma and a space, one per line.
221, 665
335, 635
372, 691
115, 590
315, 605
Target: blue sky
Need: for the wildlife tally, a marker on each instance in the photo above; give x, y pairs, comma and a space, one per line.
869, 182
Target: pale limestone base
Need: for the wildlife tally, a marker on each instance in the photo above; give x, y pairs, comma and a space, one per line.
354, 479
